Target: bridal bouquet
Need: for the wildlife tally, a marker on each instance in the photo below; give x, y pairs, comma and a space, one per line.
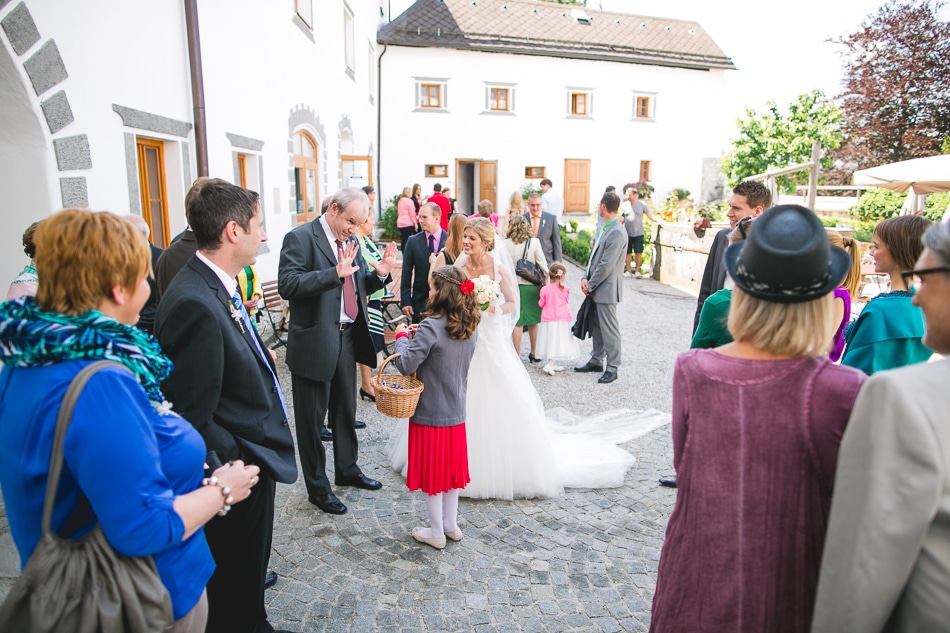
486, 291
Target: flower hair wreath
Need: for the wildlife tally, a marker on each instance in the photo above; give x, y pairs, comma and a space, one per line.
465, 287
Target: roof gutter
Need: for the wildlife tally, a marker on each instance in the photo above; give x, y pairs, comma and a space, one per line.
379, 125
197, 85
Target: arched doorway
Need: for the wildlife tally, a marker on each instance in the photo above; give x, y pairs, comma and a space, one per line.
24, 179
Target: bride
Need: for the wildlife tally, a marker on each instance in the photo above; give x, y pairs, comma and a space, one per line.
514, 450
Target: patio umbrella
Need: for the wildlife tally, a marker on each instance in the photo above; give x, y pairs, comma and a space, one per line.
922, 175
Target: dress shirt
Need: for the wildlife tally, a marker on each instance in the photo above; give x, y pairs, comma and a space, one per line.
435, 236
230, 283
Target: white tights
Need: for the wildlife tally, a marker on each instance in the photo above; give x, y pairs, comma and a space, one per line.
443, 510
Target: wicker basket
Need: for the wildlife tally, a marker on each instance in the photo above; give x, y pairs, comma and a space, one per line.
396, 402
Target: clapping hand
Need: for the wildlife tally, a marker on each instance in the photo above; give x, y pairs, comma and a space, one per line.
384, 267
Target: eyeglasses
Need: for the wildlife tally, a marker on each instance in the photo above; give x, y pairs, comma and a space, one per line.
743, 223
914, 279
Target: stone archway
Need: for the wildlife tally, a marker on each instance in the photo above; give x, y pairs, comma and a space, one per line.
24, 177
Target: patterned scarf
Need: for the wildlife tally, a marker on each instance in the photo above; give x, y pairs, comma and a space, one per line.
31, 337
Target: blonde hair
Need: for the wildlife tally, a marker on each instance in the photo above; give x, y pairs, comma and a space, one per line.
518, 231
852, 282
406, 193
799, 330
81, 256
485, 230
485, 208
515, 203
557, 272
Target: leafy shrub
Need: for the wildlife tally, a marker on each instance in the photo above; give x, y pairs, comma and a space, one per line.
877, 204
937, 204
573, 226
388, 221
528, 189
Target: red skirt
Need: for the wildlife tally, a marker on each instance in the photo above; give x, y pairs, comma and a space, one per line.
438, 458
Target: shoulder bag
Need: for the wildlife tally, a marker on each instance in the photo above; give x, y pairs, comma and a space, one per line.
84, 585
528, 271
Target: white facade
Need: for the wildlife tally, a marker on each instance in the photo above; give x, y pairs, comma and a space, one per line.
688, 122
71, 140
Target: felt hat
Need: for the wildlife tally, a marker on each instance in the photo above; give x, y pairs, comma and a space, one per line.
787, 258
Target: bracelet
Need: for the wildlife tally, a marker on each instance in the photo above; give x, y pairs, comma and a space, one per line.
225, 492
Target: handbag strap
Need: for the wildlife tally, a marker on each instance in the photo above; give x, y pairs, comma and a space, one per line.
62, 424
527, 242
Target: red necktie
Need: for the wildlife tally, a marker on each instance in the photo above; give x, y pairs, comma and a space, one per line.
349, 292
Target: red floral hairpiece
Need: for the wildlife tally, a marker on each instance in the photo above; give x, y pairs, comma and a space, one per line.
467, 286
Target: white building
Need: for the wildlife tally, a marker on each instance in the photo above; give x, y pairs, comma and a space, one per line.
485, 96
96, 108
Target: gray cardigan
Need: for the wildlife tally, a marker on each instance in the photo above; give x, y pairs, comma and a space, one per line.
441, 363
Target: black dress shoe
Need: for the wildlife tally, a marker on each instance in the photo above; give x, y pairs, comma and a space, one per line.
325, 434
359, 481
589, 367
270, 579
669, 483
328, 503
609, 376
359, 424
533, 358
365, 395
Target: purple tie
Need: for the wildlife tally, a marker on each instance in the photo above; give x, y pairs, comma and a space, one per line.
349, 292
431, 243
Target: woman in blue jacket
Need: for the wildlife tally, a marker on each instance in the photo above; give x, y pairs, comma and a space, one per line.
139, 465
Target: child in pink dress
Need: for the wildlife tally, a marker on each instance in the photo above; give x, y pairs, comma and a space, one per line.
555, 341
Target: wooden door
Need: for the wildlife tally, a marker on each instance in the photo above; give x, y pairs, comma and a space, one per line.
487, 181
576, 184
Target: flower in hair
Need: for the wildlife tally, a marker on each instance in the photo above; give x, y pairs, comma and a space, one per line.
467, 286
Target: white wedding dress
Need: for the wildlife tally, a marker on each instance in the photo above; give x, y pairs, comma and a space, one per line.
514, 450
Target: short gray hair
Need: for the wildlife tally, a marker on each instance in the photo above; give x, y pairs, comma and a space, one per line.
347, 196
937, 239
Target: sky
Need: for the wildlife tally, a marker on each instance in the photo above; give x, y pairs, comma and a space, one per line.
780, 49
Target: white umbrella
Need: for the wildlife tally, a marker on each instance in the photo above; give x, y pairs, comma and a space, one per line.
922, 175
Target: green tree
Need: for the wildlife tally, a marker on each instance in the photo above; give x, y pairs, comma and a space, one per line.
777, 139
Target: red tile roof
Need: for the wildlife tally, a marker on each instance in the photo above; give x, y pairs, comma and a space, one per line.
529, 27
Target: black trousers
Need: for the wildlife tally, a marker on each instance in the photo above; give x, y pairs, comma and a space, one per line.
405, 233
313, 400
240, 543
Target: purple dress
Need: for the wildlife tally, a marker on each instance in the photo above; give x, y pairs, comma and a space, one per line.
837, 348
755, 444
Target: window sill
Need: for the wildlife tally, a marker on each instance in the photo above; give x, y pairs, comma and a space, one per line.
579, 116
351, 74
303, 27
432, 110
498, 112
641, 119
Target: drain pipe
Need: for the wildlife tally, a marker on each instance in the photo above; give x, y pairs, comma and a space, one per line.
379, 126
197, 85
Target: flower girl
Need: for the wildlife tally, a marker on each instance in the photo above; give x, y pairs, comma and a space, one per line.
555, 340
440, 353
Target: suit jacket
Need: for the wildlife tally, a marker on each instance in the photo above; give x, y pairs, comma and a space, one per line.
307, 278
604, 273
886, 564
172, 259
714, 275
414, 291
549, 234
220, 383
147, 314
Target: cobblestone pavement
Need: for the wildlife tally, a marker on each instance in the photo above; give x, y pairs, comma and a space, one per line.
585, 561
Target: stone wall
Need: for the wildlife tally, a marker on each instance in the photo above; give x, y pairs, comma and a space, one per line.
680, 252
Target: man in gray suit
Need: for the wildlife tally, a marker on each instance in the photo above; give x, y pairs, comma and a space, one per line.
602, 283
886, 564
544, 227
326, 281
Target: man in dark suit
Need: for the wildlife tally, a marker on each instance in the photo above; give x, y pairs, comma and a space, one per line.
544, 227
420, 248
172, 259
226, 385
749, 198
327, 282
